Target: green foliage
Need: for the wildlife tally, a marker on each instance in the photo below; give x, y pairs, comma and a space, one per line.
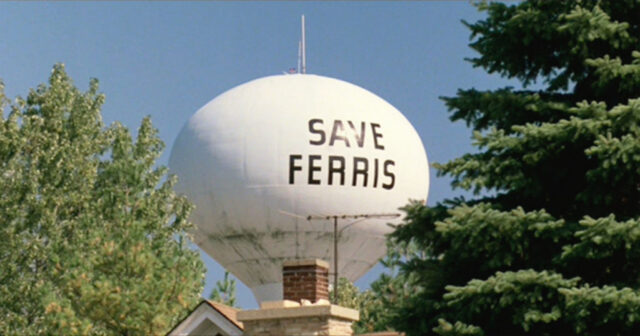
457, 329
549, 244
375, 304
370, 306
512, 302
93, 235
224, 291
348, 294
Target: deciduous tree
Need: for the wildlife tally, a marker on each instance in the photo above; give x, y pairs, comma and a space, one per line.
92, 235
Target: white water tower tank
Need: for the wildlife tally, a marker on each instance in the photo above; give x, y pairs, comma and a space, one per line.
261, 157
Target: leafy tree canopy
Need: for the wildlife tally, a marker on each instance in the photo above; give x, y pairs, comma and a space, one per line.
93, 235
389, 290
550, 244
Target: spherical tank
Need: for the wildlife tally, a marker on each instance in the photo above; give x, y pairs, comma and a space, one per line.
261, 158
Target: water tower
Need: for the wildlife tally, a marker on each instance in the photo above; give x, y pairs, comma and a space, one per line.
261, 157
265, 161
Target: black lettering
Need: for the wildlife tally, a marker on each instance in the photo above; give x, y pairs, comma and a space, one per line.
359, 136
319, 132
334, 133
333, 169
360, 171
313, 168
292, 167
375, 173
389, 174
376, 135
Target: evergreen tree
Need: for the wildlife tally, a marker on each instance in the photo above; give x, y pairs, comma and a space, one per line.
224, 291
92, 235
550, 244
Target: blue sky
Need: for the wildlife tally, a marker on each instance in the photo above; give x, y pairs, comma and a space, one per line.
167, 59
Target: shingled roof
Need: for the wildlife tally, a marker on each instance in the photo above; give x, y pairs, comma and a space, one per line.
227, 311
222, 316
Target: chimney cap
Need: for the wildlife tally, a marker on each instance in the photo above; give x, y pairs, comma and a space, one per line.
306, 262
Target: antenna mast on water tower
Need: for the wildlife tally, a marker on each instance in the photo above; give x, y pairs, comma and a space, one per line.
302, 55
336, 234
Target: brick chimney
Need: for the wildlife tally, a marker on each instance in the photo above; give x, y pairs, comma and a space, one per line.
305, 310
305, 280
